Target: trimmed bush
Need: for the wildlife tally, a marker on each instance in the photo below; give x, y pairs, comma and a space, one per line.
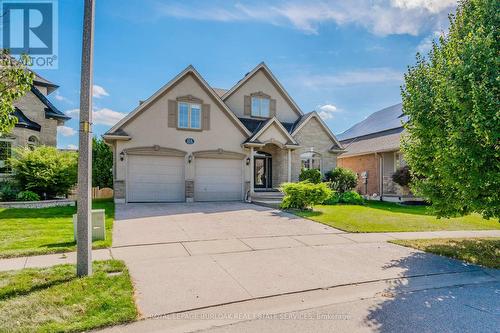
341, 180
45, 170
28, 196
8, 191
310, 175
352, 198
333, 199
304, 194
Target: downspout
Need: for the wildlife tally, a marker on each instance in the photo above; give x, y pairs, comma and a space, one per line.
381, 176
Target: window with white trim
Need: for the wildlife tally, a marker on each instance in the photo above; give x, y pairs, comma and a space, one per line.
189, 115
398, 160
260, 106
5, 153
310, 160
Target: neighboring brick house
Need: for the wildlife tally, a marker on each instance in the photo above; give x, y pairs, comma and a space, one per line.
37, 122
372, 151
192, 142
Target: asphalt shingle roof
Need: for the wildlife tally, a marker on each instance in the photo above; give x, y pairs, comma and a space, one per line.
387, 141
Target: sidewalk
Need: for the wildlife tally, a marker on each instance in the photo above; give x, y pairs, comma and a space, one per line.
255, 244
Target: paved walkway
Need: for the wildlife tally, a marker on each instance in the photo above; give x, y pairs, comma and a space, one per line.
219, 246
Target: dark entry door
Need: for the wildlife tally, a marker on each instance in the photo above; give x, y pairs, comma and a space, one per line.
262, 172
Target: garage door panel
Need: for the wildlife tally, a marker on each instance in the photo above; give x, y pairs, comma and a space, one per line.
218, 179
155, 179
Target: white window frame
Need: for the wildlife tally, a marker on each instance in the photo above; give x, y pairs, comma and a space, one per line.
259, 113
31, 144
190, 106
398, 160
314, 157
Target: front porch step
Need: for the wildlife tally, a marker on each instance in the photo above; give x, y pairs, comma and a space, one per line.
267, 203
270, 199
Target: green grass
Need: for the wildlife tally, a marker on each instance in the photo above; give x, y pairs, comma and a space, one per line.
377, 216
55, 300
479, 251
25, 231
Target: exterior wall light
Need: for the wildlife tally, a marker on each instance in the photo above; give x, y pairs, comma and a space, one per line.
122, 156
248, 160
190, 158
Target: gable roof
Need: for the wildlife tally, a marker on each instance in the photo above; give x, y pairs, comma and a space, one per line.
337, 146
220, 91
270, 122
190, 70
383, 120
377, 143
263, 67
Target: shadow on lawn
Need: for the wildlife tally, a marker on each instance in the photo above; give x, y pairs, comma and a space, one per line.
421, 304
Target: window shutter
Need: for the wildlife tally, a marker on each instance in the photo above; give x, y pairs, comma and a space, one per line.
272, 108
172, 114
248, 106
205, 113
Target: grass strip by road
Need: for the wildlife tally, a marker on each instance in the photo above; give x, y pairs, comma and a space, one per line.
55, 300
377, 216
479, 251
31, 231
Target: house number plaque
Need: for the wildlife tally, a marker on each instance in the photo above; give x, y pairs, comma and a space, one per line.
189, 141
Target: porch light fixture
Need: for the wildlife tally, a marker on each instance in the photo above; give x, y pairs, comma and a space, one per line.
122, 156
190, 158
248, 161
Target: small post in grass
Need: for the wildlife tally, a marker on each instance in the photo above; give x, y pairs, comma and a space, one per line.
84, 215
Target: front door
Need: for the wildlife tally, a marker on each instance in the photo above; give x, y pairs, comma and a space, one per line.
262, 172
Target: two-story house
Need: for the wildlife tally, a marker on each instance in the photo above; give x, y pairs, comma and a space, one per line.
192, 142
37, 121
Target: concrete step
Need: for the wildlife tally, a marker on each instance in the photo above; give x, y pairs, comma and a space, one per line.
267, 203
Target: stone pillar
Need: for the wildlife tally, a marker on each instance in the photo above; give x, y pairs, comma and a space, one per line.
289, 179
189, 189
251, 171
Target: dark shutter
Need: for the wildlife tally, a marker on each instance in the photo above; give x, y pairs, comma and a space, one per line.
272, 108
205, 113
172, 114
248, 106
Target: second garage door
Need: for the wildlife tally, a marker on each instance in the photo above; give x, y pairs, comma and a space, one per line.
155, 178
218, 179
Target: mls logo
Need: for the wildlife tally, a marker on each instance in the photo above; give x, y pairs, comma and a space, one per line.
30, 27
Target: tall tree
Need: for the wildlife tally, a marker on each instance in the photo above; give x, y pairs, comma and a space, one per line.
102, 164
452, 99
15, 81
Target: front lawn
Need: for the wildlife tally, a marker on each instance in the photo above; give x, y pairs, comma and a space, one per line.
377, 216
479, 251
47, 230
55, 300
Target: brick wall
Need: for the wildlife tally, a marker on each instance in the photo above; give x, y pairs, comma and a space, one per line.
359, 164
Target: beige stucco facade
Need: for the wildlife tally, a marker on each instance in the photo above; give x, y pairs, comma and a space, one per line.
221, 140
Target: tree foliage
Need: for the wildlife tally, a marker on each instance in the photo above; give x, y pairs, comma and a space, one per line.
341, 180
102, 164
15, 81
452, 100
45, 170
402, 176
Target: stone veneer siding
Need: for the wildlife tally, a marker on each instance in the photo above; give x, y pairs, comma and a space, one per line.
313, 135
119, 189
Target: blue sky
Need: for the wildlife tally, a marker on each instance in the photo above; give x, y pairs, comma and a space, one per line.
345, 59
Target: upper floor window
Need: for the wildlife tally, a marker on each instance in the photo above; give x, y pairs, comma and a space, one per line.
189, 115
260, 106
5, 153
310, 160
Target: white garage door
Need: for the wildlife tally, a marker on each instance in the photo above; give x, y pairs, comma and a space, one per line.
218, 179
155, 179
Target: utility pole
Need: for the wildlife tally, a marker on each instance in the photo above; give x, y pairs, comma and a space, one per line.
84, 217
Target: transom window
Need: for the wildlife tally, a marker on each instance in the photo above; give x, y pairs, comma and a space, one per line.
189, 115
260, 106
5, 153
310, 160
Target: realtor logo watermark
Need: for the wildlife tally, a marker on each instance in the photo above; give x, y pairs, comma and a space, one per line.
30, 27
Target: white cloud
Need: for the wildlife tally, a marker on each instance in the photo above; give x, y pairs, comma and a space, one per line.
363, 76
66, 131
426, 44
98, 91
381, 17
327, 111
103, 116
72, 147
61, 98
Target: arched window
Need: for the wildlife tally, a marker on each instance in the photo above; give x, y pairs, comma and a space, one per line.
310, 160
33, 142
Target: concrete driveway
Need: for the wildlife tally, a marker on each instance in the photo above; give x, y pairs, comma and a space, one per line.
184, 257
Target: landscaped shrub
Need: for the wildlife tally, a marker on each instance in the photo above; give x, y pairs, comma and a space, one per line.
45, 170
8, 191
341, 179
352, 198
402, 176
304, 194
333, 199
311, 175
27, 196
